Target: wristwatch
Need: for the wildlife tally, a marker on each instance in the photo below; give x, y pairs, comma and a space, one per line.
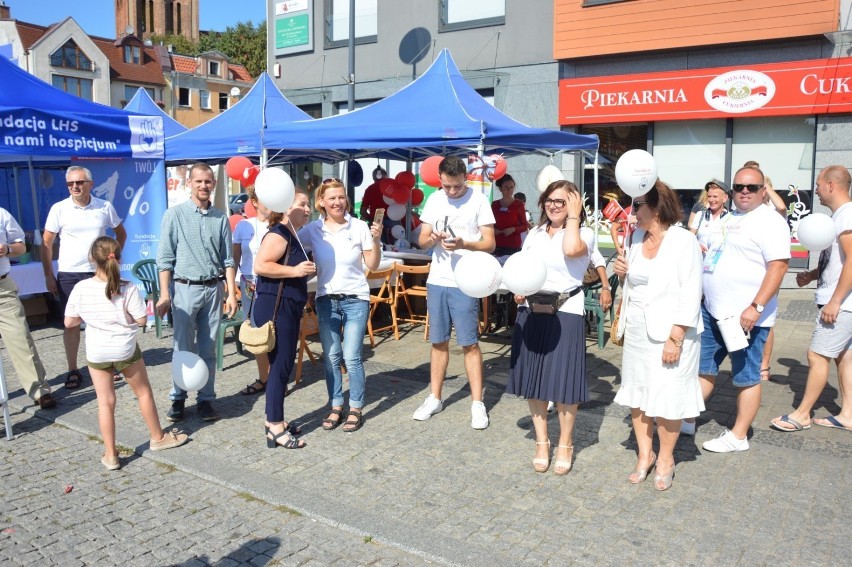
758, 307
677, 342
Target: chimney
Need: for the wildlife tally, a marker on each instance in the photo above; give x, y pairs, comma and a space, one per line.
5, 11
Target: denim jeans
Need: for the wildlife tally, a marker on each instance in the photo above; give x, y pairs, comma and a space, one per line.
197, 311
342, 323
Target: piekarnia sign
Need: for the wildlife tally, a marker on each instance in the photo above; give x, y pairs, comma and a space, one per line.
819, 86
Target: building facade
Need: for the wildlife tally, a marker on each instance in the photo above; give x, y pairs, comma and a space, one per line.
145, 18
707, 87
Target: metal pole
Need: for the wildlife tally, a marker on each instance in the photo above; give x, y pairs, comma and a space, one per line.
350, 189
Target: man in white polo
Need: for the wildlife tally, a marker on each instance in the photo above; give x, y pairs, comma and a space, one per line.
78, 221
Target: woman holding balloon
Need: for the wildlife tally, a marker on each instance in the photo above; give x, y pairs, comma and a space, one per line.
661, 325
549, 349
283, 269
339, 242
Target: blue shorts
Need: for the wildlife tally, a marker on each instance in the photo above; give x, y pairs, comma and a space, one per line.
745, 363
449, 307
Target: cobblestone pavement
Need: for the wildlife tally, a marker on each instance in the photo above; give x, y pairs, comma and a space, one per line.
435, 491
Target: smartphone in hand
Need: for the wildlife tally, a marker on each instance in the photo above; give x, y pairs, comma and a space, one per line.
379, 216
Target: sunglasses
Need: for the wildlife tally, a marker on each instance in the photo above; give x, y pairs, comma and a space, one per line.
637, 204
751, 187
76, 183
331, 180
558, 203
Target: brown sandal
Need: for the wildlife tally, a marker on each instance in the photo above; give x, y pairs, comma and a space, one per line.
335, 418
353, 426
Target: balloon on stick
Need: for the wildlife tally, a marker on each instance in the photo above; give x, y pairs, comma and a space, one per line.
816, 232
275, 189
236, 166
478, 274
524, 274
398, 231
189, 372
636, 172
429, 171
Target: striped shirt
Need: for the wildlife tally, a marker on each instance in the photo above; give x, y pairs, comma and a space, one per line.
195, 243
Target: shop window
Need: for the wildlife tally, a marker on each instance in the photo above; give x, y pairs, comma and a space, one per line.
74, 85
132, 54
337, 22
183, 97
204, 99
223, 102
690, 153
70, 56
463, 14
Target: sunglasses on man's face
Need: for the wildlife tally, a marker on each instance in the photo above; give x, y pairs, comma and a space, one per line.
751, 187
76, 183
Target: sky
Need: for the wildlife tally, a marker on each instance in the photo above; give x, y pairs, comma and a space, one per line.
97, 17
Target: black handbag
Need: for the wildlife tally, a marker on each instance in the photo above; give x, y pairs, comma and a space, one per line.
549, 302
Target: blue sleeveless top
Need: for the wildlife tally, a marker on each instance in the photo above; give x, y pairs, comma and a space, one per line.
294, 288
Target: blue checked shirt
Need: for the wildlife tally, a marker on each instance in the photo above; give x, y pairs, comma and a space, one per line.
195, 244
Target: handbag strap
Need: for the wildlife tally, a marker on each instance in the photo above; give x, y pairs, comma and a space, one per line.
280, 285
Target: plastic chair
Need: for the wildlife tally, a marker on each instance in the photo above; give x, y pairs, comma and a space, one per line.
406, 291
4, 401
592, 304
383, 296
225, 324
146, 272
309, 326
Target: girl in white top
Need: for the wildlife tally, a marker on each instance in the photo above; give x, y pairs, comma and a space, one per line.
339, 243
247, 237
113, 310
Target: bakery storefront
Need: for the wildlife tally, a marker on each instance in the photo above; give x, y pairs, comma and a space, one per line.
706, 123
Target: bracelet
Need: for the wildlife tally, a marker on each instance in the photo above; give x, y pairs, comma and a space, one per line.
677, 342
606, 289
572, 218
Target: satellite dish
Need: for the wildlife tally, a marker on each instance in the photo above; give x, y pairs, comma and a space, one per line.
128, 30
235, 91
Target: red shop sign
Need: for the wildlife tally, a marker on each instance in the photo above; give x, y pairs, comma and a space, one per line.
819, 86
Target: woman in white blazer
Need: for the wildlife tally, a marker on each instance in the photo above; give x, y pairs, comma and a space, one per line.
661, 319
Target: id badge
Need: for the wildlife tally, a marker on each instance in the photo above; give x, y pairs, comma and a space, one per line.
711, 259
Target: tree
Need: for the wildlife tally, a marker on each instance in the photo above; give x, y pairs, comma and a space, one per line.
179, 43
245, 44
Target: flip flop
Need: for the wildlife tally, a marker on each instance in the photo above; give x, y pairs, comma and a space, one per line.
787, 419
73, 379
832, 423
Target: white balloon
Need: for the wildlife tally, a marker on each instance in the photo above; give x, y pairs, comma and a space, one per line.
398, 231
189, 372
395, 211
547, 175
524, 274
478, 274
275, 189
816, 232
402, 244
636, 172
388, 200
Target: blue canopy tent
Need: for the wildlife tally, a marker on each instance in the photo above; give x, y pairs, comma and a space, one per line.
39, 123
143, 104
240, 130
438, 113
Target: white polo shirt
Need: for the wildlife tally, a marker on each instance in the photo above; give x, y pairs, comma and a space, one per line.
78, 227
10, 233
564, 274
338, 255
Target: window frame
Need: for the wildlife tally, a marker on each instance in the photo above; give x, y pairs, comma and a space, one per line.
188, 97
132, 54
218, 65
201, 99
445, 26
82, 61
330, 43
227, 98
80, 81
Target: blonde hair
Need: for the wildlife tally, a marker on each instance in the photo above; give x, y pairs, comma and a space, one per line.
106, 253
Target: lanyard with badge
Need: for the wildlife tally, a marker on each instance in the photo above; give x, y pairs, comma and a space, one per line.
711, 259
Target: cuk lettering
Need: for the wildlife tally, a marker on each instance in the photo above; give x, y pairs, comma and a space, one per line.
593, 97
812, 84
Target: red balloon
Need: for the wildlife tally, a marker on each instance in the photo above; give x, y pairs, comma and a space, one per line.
236, 166
499, 167
406, 179
249, 176
387, 186
416, 196
400, 193
249, 210
415, 221
429, 171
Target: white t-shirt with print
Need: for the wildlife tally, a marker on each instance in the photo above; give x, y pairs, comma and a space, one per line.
464, 215
78, 227
338, 256
831, 273
248, 234
748, 243
563, 273
110, 325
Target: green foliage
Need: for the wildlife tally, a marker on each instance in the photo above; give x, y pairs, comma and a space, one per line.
244, 43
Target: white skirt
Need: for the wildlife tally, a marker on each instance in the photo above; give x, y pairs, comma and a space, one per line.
666, 391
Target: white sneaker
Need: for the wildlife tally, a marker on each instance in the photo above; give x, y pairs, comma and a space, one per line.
427, 409
478, 416
687, 428
726, 443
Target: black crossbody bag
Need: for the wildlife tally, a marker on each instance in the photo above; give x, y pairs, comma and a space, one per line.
549, 302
